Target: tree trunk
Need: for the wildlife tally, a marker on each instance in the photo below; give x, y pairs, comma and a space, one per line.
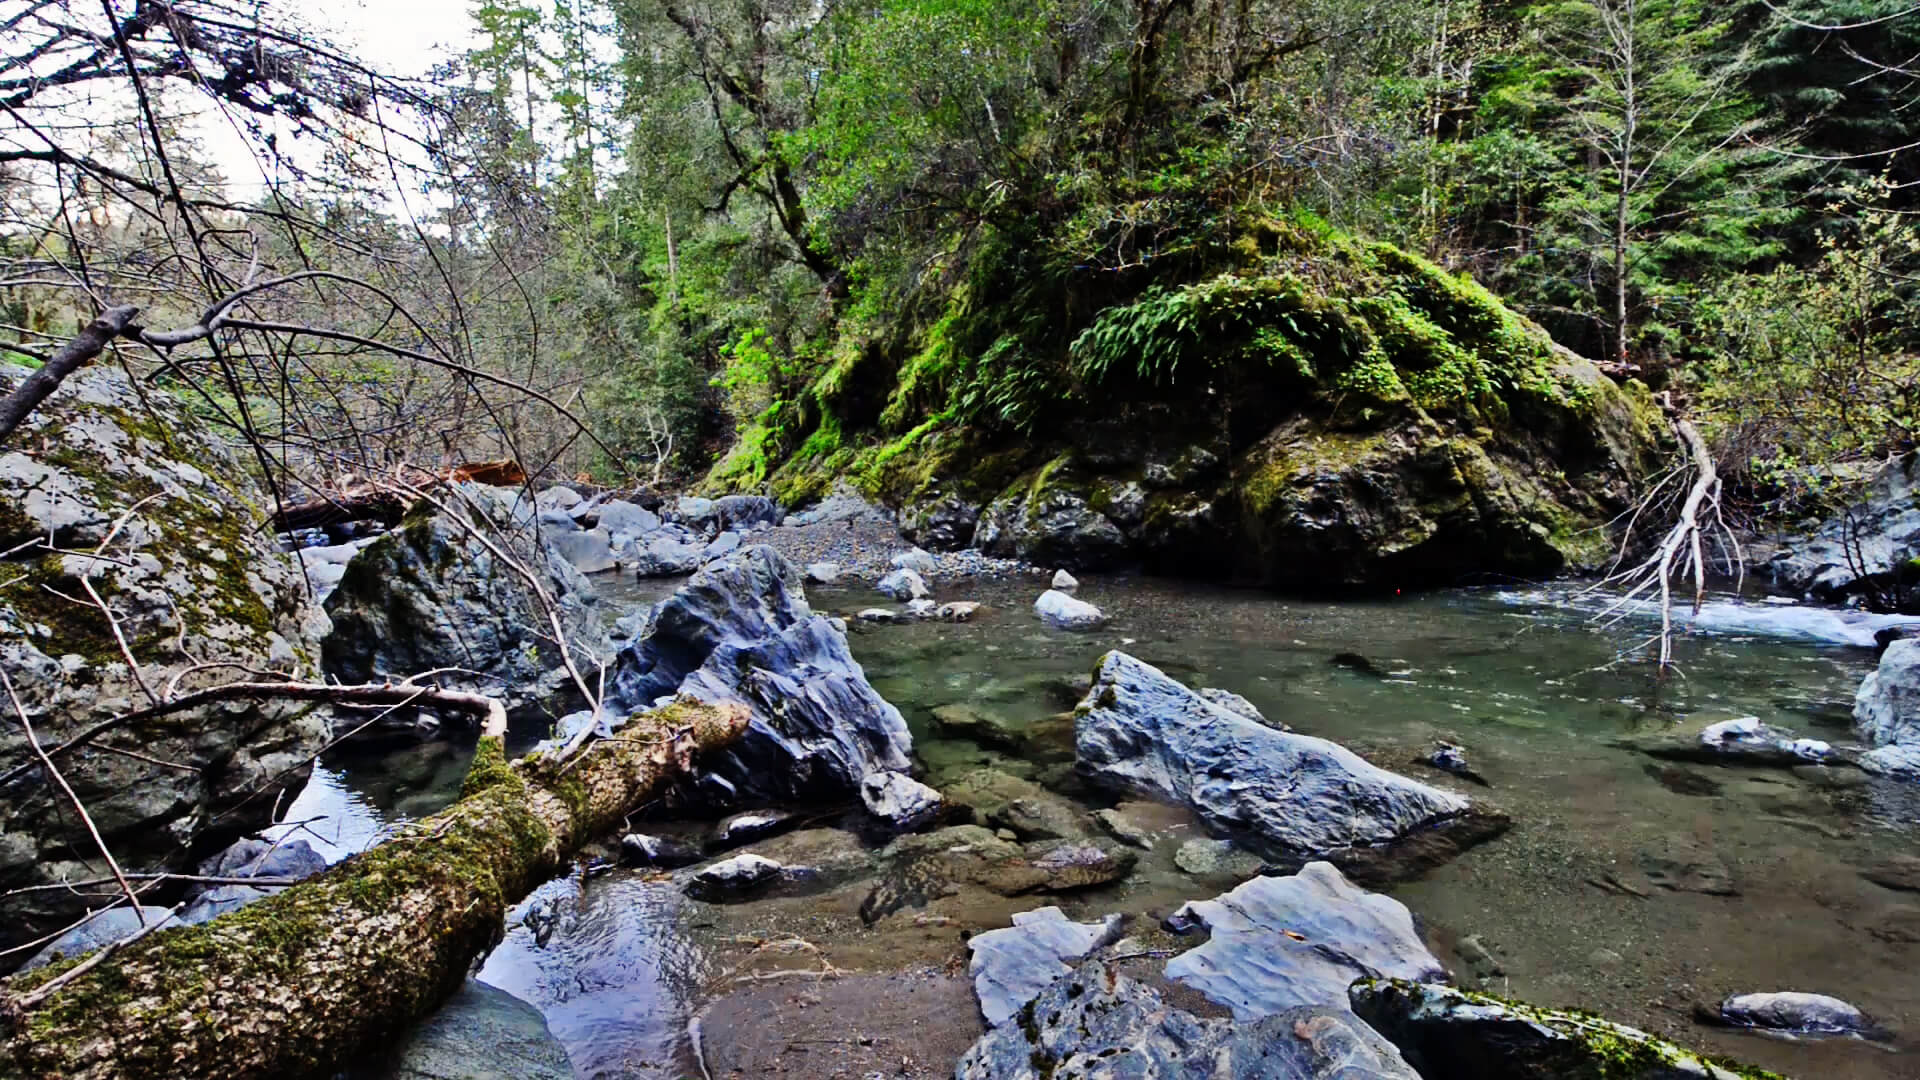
299, 983
40, 385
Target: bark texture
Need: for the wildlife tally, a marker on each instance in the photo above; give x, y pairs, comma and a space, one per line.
295, 984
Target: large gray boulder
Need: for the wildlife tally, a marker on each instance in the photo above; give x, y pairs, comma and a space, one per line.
1862, 549
114, 924
1887, 712
199, 589
434, 594
627, 520
740, 630
1099, 1024
1012, 965
1291, 797
481, 1033
1280, 942
661, 553
1795, 1014
1445, 1032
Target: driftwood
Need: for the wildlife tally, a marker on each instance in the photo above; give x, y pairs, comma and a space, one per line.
298, 983
382, 506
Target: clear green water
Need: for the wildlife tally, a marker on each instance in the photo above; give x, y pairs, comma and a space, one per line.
1568, 901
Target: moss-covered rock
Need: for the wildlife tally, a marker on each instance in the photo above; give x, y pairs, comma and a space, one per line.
1317, 413
150, 509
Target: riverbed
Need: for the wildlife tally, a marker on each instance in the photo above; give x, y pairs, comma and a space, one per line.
1630, 886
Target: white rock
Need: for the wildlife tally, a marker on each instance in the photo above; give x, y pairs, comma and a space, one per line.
1063, 611
1064, 581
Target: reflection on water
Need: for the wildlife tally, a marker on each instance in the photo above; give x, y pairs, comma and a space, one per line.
1631, 890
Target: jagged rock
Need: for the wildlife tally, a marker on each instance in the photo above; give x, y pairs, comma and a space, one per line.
917, 560
661, 554
102, 930
958, 611
823, 573
558, 497
628, 520
1067, 613
1096, 1024
640, 849
898, 801
431, 595
725, 544
748, 826
731, 879
590, 552
904, 585
1064, 581
698, 514
1446, 1032
1279, 942
1290, 797
558, 521
1793, 1013
481, 1033
1864, 548
743, 512
1048, 519
944, 522
1887, 712
196, 580
741, 630
1011, 966
842, 505
1239, 706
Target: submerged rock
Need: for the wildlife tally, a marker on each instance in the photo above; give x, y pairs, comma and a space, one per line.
1011, 966
114, 924
1097, 1023
904, 585
1452, 758
1293, 798
1280, 942
1795, 1014
1445, 1032
1205, 857
641, 849
740, 630
481, 1033
1066, 612
1745, 740
199, 588
922, 867
823, 573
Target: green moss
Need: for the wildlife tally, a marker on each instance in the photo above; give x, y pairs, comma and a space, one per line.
489, 768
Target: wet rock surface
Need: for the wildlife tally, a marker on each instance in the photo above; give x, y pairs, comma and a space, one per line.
1057, 609
1887, 712
1097, 1023
1793, 1014
481, 1033
1292, 798
1011, 966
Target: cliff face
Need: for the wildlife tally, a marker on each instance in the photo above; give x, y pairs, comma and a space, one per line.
1309, 412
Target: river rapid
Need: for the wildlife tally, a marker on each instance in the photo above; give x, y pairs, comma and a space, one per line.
1628, 885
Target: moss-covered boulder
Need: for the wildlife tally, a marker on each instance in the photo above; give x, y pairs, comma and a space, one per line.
1297, 408
125, 491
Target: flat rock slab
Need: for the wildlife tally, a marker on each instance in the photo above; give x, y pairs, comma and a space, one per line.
1011, 966
1277, 943
902, 1027
1098, 1024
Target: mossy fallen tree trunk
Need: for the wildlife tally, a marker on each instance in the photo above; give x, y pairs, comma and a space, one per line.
297, 983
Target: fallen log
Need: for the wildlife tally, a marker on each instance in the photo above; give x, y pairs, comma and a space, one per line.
384, 506
305, 980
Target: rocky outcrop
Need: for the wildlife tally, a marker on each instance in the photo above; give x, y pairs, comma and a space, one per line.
1887, 712
1098, 1023
1276, 943
1293, 798
190, 568
741, 630
1866, 550
1444, 1032
1011, 966
434, 594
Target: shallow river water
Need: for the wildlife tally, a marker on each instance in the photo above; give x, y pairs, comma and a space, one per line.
1629, 886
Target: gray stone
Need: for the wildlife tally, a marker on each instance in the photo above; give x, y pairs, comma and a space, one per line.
1124, 829
917, 560
661, 554
742, 512
558, 497
1049, 520
921, 609
1443, 1031
1864, 547
904, 584
898, 801
1206, 857
1290, 797
1239, 706
881, 615
748, 826
840, 506
106, 928
823, 573
558, 521
1003, 800
291, 860
1887, 712
1063, 611
698, 514
197, 580
1064, 581
1011, 966
725, 544
431, 594
481, 1033
1279, 942
590, 552
625, 519
1096, 1024
1797, 1014
732, 879
958, 611
641, 849
220, 900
